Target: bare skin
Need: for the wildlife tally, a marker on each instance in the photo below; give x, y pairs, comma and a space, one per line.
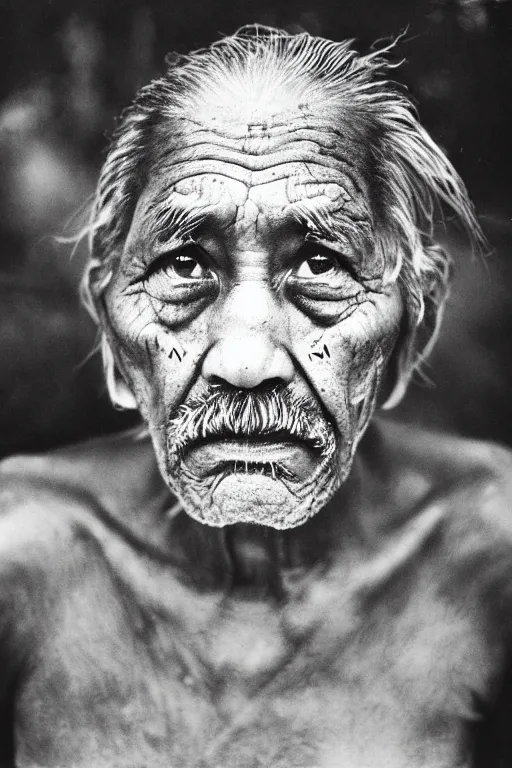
375, 634
333, 595
252, 293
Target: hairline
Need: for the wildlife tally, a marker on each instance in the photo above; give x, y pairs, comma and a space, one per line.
414, 173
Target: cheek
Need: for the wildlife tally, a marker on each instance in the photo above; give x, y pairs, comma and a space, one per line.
345, 363
158, 363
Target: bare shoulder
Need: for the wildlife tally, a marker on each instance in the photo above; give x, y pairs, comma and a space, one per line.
450, 461
469, 480
42, 536
51, 505
54, 536
45, 503
115, 472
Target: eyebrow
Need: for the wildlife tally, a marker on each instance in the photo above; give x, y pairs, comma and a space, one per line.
171, 221
322, 223
315, 220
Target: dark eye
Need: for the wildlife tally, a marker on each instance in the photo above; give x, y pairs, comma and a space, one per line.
187, 264
317, 262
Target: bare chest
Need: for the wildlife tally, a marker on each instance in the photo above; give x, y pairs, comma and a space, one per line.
334, 681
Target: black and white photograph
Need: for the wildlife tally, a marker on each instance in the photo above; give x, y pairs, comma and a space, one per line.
255, 384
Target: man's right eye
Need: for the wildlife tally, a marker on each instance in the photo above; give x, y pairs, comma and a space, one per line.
181, 277
187, 264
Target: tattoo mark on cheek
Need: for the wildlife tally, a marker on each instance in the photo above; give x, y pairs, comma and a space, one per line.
175, 352
172, 349
324, 352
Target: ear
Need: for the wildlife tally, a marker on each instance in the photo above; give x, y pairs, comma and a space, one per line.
420, 328
413, 346
120, 393
399, 368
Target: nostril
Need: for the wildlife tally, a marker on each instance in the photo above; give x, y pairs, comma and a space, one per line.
264, 386
247, 362
273, 382
217, 381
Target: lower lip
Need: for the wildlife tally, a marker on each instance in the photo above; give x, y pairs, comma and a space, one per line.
296, 458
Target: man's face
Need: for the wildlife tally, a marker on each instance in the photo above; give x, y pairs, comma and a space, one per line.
249, 314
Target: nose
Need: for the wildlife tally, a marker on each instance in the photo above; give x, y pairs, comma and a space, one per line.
247, 362
247, 352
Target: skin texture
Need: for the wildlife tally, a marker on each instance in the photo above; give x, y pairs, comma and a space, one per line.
253, 315
247, 589
376, 634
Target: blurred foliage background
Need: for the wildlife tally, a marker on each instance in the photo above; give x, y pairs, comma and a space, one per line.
68, 68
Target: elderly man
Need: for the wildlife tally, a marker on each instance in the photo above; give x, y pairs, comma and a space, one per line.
261, 576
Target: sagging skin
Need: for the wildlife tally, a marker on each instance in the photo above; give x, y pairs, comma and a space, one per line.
311, 605
271, 288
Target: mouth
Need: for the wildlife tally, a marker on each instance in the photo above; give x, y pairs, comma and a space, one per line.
276, 456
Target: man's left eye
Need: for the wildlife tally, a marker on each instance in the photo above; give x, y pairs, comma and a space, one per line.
318, 263
187, 266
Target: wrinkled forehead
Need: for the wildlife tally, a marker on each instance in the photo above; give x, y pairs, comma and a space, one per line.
297, 167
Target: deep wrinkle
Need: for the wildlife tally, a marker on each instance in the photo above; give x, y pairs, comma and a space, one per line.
328, 225
254, 238
349, 614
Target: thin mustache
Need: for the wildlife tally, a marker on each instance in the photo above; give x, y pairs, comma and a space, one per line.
270, 414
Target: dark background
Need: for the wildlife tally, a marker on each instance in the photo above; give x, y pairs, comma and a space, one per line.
69, 66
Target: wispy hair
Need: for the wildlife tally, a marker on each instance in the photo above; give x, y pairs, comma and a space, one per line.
414, 184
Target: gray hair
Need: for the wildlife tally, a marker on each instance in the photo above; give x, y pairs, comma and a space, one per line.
414, 180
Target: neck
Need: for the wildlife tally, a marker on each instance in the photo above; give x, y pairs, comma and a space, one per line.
261, 561
246, 559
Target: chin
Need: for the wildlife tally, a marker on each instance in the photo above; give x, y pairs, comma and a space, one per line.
258, 497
